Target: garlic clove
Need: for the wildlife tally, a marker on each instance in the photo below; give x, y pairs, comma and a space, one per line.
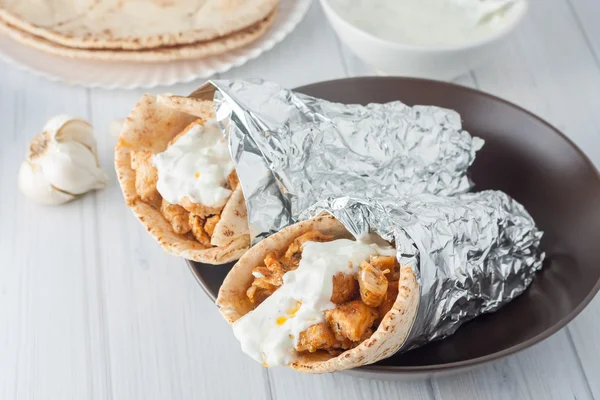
34, 185
72, 167
63, 128
62, 162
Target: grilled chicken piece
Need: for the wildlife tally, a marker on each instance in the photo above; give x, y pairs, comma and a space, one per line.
145, 177
210, 224
263, 278
198, 209
197, 225
383, 262
294, 251
258, 294
367, 334
317, 337
345, 288
264, 283
268, 278
276, 269
387, 262
177, 216
373, 284
390, 299
351, 320
232, 180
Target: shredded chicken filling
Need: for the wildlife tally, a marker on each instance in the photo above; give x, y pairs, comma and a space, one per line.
192, 220
361, 299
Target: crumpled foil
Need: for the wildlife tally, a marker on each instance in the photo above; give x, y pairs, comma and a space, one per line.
291, 150
297, 156
471, 253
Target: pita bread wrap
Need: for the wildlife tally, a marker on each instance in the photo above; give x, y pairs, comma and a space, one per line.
152, 124
133, 24
385, 341
194, 50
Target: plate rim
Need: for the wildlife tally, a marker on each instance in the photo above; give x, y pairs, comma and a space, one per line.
421, 370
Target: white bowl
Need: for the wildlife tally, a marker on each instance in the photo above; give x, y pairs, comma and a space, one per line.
434, 62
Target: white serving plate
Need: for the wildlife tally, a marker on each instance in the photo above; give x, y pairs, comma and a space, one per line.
131, 75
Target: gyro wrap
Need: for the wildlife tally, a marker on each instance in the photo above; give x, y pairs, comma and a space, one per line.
471, 254
296, 156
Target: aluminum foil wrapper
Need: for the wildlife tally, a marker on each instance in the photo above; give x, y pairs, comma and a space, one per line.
291, 150
471, 253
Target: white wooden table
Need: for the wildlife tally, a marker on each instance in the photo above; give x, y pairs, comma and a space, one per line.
91, 308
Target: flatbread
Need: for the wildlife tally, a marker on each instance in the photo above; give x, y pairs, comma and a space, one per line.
234, 219
150, 126
385, 341
159, 54
133, 24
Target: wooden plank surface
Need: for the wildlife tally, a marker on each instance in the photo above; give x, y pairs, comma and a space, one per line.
91, 308
581, 121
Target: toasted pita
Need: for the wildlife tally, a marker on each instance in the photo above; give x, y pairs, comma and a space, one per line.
234, 219
385, 341
188, 105
150, 126
133, 24
159, 54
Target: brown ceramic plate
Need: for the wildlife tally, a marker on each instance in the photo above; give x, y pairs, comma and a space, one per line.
538, 166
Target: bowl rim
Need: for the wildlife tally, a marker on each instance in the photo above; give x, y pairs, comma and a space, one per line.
420, 370
522, 10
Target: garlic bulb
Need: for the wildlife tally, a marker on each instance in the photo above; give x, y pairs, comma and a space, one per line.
61, 163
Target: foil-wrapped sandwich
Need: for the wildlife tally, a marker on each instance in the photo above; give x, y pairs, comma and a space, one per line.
360, 281
177, 176
178, 160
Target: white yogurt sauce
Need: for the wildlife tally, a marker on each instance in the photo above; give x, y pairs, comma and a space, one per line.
270, 332
427, 22
195, 166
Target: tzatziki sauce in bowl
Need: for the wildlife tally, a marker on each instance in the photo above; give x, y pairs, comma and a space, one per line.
439, 39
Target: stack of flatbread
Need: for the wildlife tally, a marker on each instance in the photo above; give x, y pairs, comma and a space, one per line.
136, 30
